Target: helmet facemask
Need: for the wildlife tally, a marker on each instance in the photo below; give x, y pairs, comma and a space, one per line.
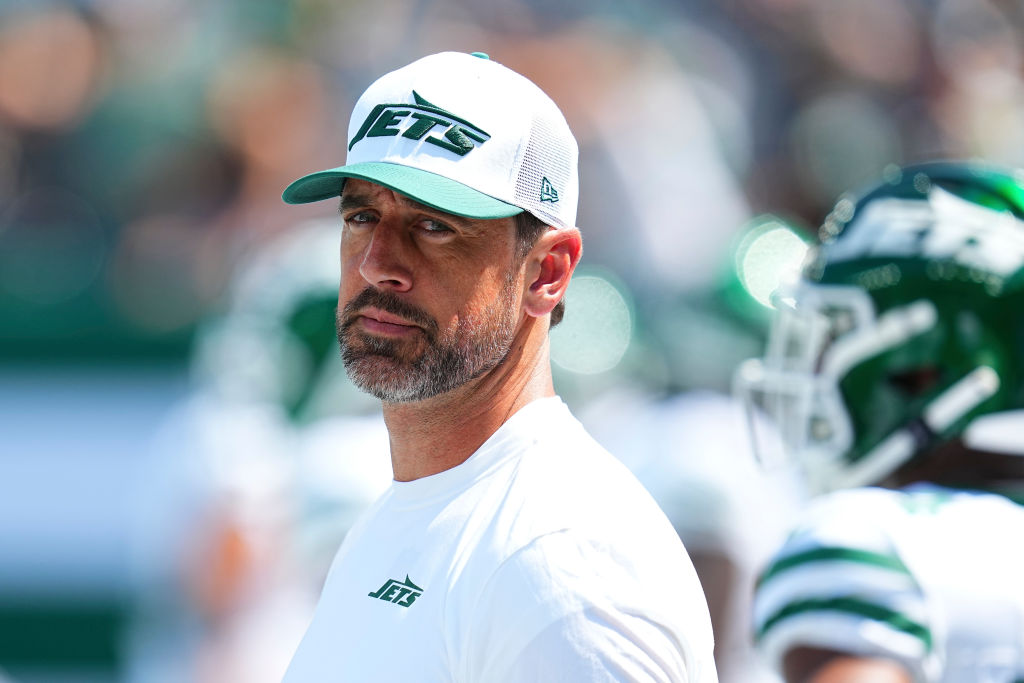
904, 328
811, 380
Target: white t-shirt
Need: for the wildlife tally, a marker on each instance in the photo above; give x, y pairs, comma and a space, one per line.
540, 558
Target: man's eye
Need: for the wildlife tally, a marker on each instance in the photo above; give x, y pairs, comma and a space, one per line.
435, 227
361, 218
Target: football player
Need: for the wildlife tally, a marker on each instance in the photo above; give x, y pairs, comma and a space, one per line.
895, 374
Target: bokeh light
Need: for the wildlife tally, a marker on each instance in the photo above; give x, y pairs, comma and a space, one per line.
597, 328
769, 255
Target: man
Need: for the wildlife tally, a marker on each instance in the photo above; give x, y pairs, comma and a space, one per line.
898, 360
510, 546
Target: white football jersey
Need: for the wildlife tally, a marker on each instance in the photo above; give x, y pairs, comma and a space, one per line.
927, 576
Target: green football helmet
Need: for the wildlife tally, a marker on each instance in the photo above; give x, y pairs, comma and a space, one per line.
905, 327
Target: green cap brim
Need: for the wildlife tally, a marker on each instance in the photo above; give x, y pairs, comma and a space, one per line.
427, 188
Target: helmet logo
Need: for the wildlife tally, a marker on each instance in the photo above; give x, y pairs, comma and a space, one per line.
944, 228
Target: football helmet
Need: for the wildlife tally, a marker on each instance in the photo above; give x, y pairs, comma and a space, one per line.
905, 325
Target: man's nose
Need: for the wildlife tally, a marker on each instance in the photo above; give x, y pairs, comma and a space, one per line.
384, 263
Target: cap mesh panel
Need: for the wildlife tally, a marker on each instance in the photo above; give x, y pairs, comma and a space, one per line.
547, 155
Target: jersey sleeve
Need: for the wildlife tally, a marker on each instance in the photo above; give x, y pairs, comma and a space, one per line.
839, 583
557, 612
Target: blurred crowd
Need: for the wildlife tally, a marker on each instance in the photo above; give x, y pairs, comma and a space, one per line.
144, 147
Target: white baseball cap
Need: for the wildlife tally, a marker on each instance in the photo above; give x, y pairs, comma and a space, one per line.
462, 134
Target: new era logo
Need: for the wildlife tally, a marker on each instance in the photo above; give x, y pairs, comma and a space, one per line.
401, 593
547, 191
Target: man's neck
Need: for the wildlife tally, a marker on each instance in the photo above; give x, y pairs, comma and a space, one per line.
437, 434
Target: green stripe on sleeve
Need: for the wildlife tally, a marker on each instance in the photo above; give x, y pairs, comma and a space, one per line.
826, 554
860, 608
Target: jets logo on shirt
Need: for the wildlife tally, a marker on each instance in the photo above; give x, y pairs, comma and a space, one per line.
401, 593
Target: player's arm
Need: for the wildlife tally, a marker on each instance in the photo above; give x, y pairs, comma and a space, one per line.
838, 602
811, 665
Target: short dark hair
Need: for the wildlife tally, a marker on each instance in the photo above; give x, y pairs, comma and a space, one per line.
529, 228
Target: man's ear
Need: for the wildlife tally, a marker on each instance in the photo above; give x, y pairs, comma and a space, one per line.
549, 267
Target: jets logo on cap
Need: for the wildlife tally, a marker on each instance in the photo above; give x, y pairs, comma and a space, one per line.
415, 121
548, 193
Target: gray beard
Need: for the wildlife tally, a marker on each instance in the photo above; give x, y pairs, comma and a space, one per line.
386, 369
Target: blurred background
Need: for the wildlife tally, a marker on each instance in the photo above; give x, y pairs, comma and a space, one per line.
180, 452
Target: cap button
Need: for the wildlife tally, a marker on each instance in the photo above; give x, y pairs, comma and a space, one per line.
481, 55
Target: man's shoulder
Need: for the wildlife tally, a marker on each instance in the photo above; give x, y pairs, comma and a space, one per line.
568, 496
568, 482
571, 584
564, 452
573, 510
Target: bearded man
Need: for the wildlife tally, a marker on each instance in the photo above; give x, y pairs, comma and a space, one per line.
510, 546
